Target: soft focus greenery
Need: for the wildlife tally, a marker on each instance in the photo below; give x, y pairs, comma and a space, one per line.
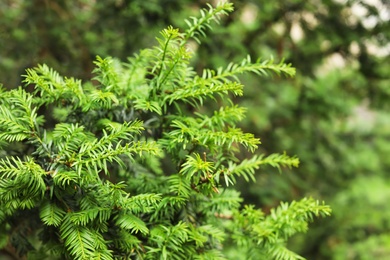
333, 114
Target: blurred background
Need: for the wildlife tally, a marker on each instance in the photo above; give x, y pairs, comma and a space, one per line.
334, 115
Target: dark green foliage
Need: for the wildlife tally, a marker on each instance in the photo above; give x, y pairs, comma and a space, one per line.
129, 166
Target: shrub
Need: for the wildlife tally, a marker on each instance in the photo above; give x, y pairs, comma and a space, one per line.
130, 166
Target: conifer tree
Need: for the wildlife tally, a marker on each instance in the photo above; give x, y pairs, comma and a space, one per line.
133, 168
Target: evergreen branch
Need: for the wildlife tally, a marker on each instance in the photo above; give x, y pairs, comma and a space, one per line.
130, 222
232, 135
152, 106
105, 73
18, 119
198, 26
169, 37
100, 99
197, 92
50, 86
89, 200
260, 68
11, 167
78, 148
225, 116
221, 82
188, 133
51, 214
268, 233
168, 207
288, 219
77, 239
202, 234
279, 251
21, 179
170, 66
195, 165
11, 202
86, 216
71, 138
182, 56
222, 202
46, 81
142, 203
101, 247
120, 83
64, 178
94, 156
127, 242
278, 160
248, 167
102, 254
68, 138
169, 241
117, 131
179, 186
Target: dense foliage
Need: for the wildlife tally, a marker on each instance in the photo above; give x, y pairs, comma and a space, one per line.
333, 114
132, 165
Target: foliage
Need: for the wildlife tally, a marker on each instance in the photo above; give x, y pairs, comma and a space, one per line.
128, 165
333, 115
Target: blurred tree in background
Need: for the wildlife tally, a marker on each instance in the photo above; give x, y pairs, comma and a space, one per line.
333, 115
